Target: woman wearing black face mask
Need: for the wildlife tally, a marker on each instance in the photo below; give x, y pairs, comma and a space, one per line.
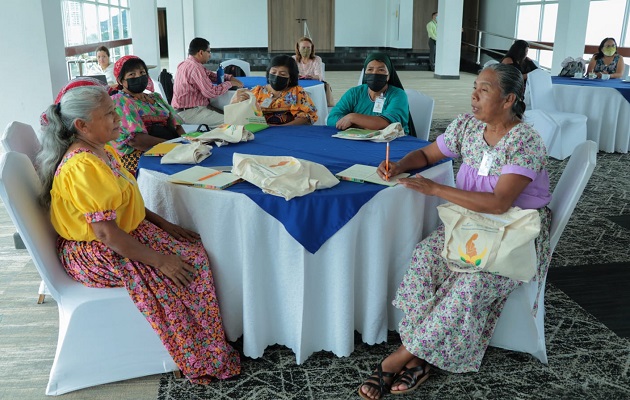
375, 104
282, 101
146, 119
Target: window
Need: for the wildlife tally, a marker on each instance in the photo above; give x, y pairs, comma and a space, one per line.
536, 22
89, 23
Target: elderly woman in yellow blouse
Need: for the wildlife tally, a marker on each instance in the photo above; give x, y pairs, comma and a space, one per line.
281, 100
107, 238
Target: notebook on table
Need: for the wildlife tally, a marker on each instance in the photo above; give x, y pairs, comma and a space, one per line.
365, 173
160, 149
204, 177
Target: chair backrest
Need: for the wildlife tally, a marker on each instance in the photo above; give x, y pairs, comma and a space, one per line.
21, 138
570, 187
540, 89
323, 71
361, 77
158, 88
19, 190
421, 110
626, 71
244, 65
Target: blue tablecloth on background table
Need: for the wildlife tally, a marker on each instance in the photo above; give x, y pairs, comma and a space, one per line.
622, 86
251, 81
314, 218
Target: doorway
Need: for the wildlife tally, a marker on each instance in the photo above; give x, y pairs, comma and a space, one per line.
289, 20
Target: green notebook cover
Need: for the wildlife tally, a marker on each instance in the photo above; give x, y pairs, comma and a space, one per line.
253, 128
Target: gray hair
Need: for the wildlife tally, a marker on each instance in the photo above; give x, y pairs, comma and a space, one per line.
511, 81
60, 133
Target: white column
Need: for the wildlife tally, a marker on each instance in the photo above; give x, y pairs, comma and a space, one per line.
570, 31
32, 65
449, 39
175, 24
145, 34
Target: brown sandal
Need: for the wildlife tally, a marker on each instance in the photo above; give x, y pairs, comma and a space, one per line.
377, 381
409, 378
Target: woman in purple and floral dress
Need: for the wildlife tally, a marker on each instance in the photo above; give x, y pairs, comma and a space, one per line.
450, 316
107, 238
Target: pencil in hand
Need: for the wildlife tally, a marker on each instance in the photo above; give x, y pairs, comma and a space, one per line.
387, 163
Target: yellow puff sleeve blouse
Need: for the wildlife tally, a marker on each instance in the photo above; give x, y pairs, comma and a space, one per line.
86, 189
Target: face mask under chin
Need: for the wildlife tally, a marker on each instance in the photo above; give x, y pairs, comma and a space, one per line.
376, 82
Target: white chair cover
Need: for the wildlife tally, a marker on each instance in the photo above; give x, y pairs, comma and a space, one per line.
560, 131
421, 110
102, 336
517, 329
244, 65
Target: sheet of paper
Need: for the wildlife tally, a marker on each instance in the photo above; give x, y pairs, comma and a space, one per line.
366, 173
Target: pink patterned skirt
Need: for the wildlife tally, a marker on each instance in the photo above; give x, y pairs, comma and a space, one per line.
186, 319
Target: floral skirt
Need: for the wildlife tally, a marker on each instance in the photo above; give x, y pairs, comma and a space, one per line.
187, 319
450, 316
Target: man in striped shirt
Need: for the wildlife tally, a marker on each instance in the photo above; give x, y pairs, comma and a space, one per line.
194, 87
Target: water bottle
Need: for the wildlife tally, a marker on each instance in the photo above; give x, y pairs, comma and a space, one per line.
220, 74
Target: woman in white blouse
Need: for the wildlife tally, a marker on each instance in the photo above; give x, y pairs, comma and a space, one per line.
104, 66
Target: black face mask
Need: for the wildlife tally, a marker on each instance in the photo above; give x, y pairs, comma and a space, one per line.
278, 82
137, 85
375, 82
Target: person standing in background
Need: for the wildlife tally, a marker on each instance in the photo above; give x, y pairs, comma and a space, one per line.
432, 31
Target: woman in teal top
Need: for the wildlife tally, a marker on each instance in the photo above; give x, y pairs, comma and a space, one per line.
378, 102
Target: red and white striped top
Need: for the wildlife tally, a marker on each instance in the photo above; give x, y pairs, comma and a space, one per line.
194, 86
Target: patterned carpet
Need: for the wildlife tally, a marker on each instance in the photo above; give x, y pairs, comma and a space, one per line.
586, 359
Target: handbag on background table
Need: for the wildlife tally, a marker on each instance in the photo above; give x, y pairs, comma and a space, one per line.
501, 244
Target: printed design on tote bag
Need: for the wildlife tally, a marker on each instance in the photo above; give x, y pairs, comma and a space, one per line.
471, 256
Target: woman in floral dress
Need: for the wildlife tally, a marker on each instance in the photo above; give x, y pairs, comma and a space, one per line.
146, 119
450, 316
281, 100
107, 238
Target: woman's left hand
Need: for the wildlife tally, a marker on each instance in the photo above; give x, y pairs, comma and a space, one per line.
345, 122
420, 184
179, 233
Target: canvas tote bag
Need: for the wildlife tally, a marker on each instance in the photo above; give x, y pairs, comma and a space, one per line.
243, 113
498, 244
282, 176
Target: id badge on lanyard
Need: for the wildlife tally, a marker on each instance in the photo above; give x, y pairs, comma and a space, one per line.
486, 164
378, 104
267, 102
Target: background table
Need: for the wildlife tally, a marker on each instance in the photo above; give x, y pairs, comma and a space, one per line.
605, 103
315, 90
271, 289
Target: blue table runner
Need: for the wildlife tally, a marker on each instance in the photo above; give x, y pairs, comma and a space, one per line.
314, 218
622, 87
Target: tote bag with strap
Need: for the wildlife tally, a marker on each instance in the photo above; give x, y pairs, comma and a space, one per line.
282, 176
498, 244
244, 112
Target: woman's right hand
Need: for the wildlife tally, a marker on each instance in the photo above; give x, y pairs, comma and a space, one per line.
385, 173
176, 270
240, 95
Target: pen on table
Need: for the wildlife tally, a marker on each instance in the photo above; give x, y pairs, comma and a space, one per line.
209, 176
387, 162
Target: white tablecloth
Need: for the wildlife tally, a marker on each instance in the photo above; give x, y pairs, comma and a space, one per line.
607, 110
271, 290
316, 92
